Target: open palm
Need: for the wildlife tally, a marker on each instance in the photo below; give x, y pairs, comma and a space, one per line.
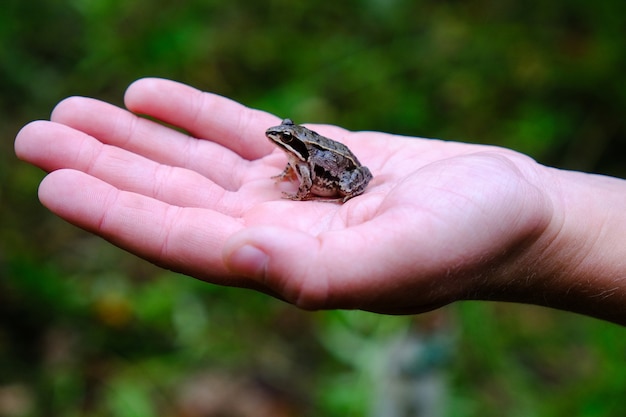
436, 216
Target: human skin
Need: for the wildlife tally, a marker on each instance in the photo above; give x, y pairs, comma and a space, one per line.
440, 222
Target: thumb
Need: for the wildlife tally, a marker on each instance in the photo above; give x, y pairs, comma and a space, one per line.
338, 269
281, 259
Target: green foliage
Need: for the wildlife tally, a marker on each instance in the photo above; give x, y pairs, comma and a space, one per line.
88, 330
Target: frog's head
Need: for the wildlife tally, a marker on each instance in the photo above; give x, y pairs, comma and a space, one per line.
287, 136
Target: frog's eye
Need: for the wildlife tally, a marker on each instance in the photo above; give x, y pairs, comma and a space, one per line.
287, 137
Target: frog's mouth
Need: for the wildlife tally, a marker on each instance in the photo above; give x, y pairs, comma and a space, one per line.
289, 144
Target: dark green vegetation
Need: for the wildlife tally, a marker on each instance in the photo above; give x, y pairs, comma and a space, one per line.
88, 330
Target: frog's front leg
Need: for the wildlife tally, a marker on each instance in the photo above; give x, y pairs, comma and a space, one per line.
288, 174
304, 174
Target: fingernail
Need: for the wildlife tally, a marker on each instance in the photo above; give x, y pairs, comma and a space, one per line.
249, 261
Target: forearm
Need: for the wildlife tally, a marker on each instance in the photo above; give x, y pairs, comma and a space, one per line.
579, 262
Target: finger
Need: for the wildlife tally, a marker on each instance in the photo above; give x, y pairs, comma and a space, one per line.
204, 115
187, 240
53, 146
118, 127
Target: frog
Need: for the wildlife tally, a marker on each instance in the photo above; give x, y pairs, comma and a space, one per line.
325, 168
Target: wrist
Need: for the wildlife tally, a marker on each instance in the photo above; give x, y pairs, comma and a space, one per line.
578, 263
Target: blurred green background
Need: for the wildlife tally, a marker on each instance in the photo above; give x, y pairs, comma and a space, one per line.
89, 330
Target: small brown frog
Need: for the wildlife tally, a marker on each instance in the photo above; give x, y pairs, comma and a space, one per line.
324, 167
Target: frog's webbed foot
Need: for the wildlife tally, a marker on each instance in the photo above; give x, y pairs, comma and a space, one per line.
294, 197
313, 197
300, 195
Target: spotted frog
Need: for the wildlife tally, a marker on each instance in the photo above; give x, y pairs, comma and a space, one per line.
324, 167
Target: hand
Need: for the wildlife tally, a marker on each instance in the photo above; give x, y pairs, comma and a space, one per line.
440, 221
